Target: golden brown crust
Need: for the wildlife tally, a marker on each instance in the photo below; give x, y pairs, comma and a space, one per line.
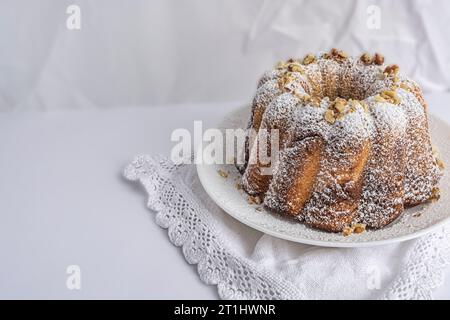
345, 195
302, 160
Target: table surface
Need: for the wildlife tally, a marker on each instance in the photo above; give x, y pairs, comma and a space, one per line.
64, 202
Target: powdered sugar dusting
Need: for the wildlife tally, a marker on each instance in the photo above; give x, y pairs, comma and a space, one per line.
375, 156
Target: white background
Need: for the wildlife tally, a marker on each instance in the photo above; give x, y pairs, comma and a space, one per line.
166, 51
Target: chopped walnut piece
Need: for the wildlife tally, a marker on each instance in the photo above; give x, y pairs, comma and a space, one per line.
315, 101
378, 59
379, 98
417, 214
434, 150
366, 59
281, 65
347, 231
309, 58
440, 164
306, 98
391, 96
302, 96
359, 228
259, 209
356, 228
339, 106
285, 80
437, 159
254, 200
392, 69
334, 51
404, 86
238, 186
329, 116
222, 173
354, 104
338, 54
293, 67
365, 106
435, 194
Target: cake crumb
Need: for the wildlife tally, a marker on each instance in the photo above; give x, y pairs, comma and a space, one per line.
356, 228
347, 231
222, 173
254, 200
359, 228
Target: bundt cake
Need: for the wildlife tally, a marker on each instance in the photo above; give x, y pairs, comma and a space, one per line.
353, 145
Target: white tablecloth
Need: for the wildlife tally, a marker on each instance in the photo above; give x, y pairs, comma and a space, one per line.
64, 202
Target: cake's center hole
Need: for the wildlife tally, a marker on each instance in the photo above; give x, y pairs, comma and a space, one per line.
351, 87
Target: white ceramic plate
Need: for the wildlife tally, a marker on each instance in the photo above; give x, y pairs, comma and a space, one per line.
412, 223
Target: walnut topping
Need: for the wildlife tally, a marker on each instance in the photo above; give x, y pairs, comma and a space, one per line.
392, 69
222, 173
329, 116
379, 98
315, 101
354, 104
338, 109
378, 59
440, 163
417, 215
347, 231
294, 67
354, 228
365, 106
359, 228
435, 194
404, 86
306, 98
254, 200
309, 58
437, 158
281, 65
285, 80
339, 106
338, 54
391, 96
366, 59
238, 186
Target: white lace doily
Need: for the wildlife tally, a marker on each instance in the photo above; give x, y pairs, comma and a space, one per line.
246, 264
